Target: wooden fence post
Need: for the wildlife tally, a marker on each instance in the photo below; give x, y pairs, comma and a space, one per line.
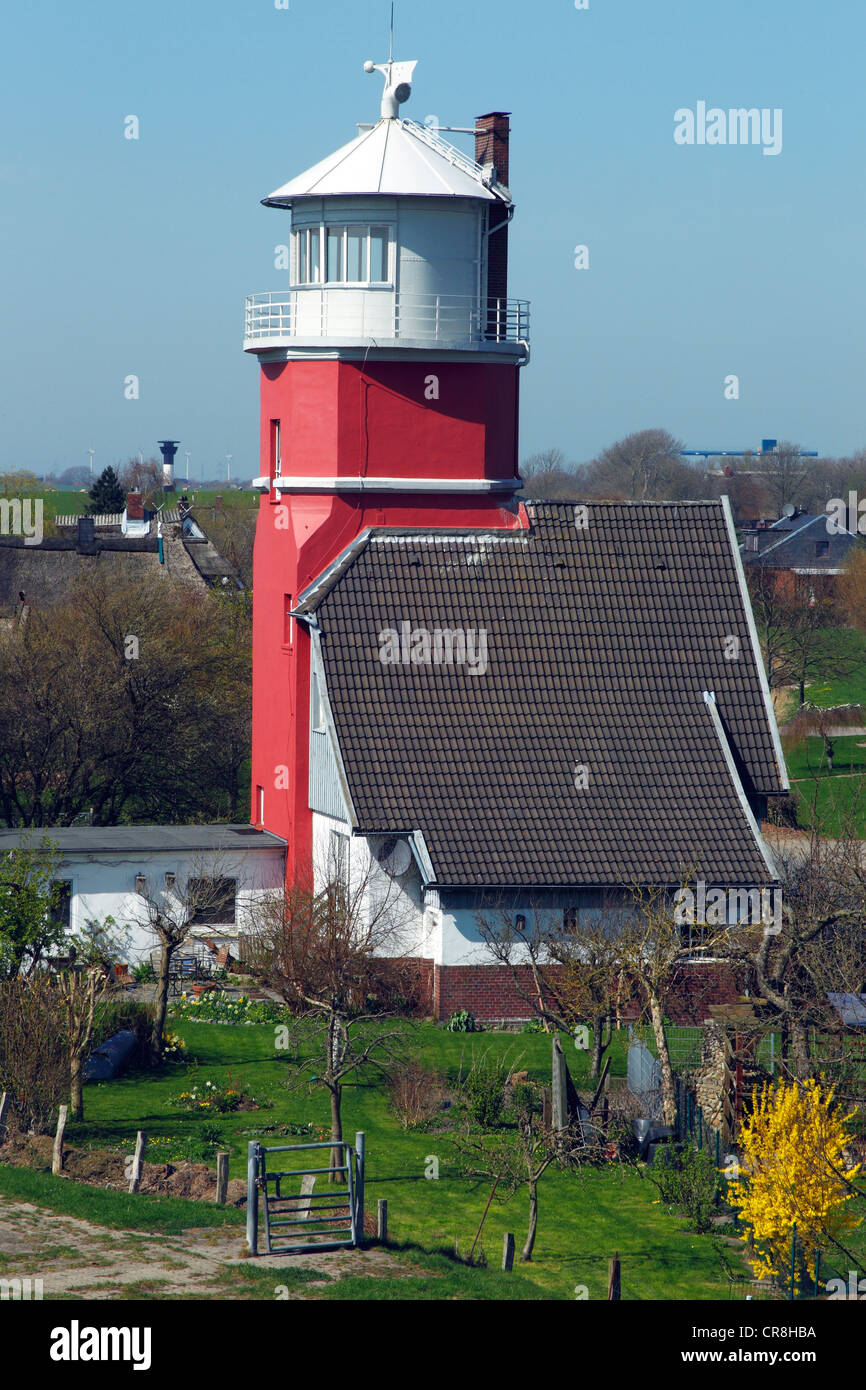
137, 1161
57, 1160
222, 1181
4, 1107
308, 1182
614, 1283
508, 1252
382, 1221
559, 1088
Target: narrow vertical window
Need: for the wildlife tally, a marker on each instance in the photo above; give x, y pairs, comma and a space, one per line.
288, 621
339, 860
378, 255
356, 253
336, 253
317, 721
276, 450
315, 262
260, 806
303, 261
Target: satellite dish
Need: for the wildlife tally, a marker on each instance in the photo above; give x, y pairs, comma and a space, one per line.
789, 509
394, 856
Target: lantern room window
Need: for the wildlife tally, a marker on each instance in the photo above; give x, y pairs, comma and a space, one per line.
356, 254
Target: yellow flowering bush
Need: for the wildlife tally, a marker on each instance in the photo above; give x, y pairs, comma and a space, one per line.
793, 1171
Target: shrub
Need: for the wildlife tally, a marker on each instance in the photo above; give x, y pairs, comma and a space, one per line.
34, 1064
461, 1022
415, 1095
687, 1182
144, 973
484, 1088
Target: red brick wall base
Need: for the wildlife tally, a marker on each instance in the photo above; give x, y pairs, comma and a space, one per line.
490, 992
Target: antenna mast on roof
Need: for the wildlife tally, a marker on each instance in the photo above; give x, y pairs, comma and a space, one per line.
398, 78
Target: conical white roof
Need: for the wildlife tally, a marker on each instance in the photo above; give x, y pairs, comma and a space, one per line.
395, 157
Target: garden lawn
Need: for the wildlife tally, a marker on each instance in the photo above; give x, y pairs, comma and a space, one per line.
584, 1217
843, 659
838, 796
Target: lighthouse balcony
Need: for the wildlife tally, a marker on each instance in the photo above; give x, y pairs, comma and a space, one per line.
321, 318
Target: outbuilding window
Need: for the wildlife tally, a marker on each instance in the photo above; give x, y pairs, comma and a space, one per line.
212, 901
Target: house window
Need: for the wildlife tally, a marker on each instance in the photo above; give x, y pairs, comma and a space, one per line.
317, 715
260, 805
751, 543
61, 911
693, 934
212, 901
356, 254
288, 621
520, 922
569, 919
822, 548
276, 450
338, 859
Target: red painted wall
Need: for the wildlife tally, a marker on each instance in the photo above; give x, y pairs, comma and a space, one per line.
346, 419
341, 419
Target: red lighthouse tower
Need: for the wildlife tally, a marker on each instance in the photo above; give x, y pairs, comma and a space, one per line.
389, 391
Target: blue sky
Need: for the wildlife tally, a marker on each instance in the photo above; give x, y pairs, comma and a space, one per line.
133, 257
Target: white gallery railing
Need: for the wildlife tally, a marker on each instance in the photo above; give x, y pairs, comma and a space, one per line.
383, 315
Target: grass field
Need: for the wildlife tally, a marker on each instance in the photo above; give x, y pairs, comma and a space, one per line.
584, 1217
75, 502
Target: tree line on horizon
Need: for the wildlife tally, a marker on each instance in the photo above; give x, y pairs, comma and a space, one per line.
647, 466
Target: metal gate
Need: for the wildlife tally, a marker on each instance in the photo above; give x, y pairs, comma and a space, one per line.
299, 1218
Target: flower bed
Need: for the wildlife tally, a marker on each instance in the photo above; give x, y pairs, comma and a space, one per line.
219, 1007
218, 1096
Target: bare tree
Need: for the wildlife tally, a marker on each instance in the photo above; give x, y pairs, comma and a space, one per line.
144, 476
336, 954
786, 474
200, 895
793, 622
642, 466
515, 1156
568, 975
820, 950
79, 991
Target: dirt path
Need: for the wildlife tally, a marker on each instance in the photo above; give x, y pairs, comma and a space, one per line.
80, 1260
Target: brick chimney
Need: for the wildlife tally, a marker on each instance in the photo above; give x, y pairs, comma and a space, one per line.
492, 134
134, 507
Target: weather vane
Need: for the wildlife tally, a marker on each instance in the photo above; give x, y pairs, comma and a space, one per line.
398, 78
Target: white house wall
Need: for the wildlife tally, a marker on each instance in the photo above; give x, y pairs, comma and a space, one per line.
416, 929
103, 885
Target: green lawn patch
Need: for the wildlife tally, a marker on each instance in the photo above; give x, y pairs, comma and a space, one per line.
584, 1216
118, 1210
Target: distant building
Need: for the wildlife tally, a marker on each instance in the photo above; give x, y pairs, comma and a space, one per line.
125, 545
802, 552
